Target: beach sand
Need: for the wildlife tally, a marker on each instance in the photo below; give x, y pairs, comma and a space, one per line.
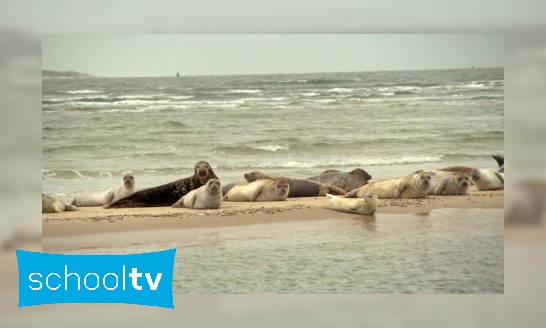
96, 220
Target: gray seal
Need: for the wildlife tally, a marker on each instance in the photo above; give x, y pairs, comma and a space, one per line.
53, 205
298, 187
170, 193
103, 197
344, 180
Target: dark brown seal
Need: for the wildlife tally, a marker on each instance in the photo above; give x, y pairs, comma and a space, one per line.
299, 187
170, 193
344, 180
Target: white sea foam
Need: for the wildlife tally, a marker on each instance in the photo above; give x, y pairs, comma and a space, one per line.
340, 90
243, 91
181, 97
79, 174
271, 148
310, 94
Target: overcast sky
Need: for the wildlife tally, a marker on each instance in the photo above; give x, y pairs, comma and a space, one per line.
165, 55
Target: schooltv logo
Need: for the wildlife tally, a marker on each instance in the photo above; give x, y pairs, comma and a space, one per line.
143, 279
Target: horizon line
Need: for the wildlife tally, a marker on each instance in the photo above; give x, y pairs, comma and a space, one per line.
249, 74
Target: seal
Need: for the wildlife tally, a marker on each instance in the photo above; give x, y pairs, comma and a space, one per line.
346, 181
103, 197
487, 179
53, 205
500, 161
226, 188
263, 190
208, 196
458, 169
448, 183
366, 205
409, 186
299, 187
167, 194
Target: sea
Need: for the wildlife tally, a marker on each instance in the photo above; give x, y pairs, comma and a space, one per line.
387, 123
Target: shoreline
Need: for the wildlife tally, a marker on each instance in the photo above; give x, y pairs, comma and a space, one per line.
96, 220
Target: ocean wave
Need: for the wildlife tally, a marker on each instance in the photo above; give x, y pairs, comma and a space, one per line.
175, 124
337, 163
340, 90
80, 91
253, 148
242, 91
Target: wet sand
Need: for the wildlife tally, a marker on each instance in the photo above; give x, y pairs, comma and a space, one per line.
96, 220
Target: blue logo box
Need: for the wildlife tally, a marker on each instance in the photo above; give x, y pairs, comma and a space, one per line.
143, 279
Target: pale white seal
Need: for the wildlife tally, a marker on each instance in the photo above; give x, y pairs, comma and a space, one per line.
103, 197
410, 186
366, 205
487, 179
53, 205
208, 196
263, 190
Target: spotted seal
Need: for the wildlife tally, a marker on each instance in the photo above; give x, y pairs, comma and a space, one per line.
344, 180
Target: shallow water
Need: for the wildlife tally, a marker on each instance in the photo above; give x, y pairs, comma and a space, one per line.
443, 251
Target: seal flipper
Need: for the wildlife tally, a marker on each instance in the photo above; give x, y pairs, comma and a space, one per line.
71, 208
499, 159
500, 176
354, 207
336, 190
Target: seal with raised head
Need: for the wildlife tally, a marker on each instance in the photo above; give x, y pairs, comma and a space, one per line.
500, 161
410, 186
170, 193
208, 196
103, 197
299, 187
344, 180
263, 190
487, 179
53, 205
366, 205
449, 183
